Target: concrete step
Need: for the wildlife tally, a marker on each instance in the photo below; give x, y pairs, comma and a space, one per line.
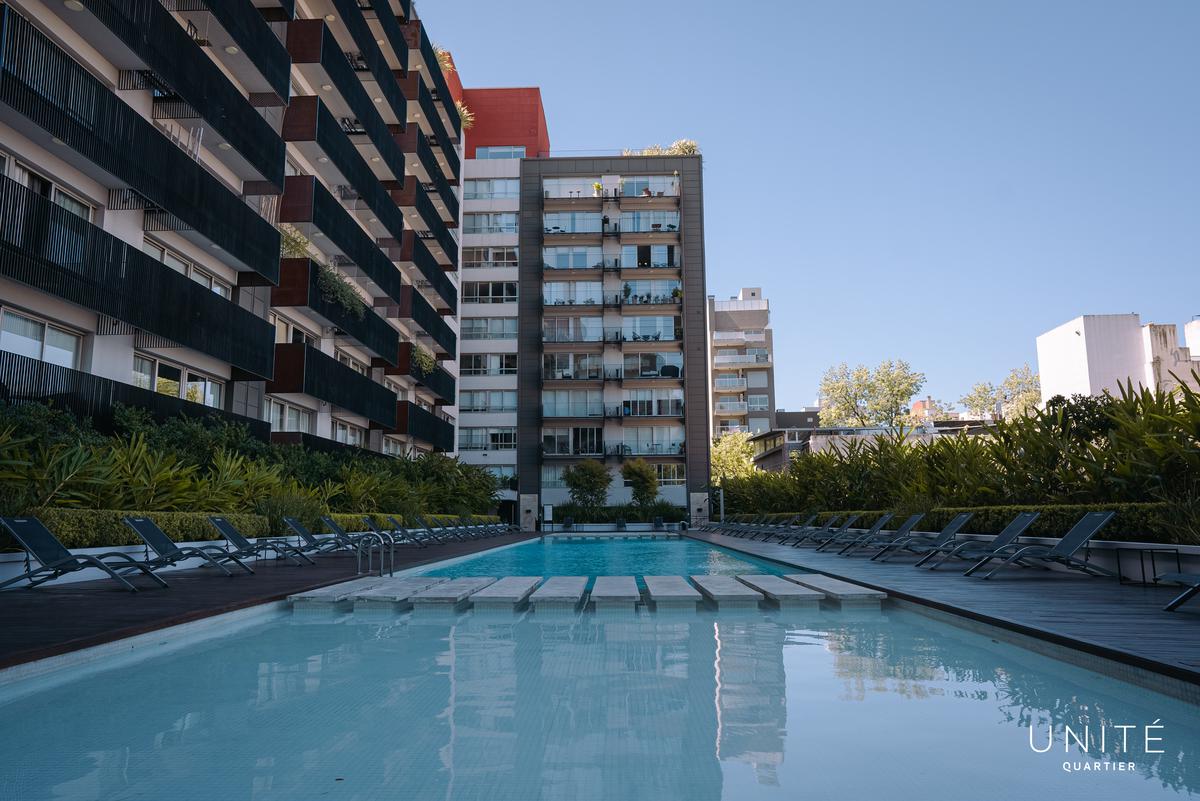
393, 594
671, 593
449, 595
787, 594
559, 594
507, 594
844, 592
727, 592
335, 597
615, 593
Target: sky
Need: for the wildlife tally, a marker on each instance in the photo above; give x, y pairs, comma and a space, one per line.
937, 181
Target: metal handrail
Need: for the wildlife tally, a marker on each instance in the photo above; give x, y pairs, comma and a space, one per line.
370, 538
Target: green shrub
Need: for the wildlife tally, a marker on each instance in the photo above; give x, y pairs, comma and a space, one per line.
629, 512
102, 528
354, 522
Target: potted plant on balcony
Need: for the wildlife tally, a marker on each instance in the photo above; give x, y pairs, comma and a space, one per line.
597, 189
676, 294
422, 361
626, 291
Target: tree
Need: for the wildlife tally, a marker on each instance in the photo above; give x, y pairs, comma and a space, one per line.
1020, 391
981, 400
732, 457
643, 480
588, 482
864, 397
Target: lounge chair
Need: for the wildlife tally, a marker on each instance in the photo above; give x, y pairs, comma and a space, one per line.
314, 544
170, 553
1062, 553
883, 537
803, 534
824, 535
57, 560
975, 550
243, 547
922, 543
846, 536
402, 534
1191, 582
770, 529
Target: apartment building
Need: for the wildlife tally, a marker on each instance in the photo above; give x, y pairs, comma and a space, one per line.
743, 364
150, 155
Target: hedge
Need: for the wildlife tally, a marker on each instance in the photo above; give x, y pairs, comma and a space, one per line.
1134, 522
102, 528
354, 521
629, 512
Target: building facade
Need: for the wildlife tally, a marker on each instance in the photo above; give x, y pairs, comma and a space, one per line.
149, 161
743, 363
773, 449
1099, 353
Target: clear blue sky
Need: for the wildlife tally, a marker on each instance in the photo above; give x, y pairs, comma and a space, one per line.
933, 180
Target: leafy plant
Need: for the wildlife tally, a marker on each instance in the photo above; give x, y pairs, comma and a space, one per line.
465, 115
423, 361
588, 482
335, 288
642, 479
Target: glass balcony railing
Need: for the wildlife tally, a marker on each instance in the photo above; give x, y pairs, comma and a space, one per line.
585, 409
743, 359
730, 407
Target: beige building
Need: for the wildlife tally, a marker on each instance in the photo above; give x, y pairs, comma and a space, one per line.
743, 365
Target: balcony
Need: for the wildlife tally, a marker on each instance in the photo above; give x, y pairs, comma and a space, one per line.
300, 286
739, 336
425, 168
584, 409
96, 398
411, 250
572, 337
185, 81
260, 62
316, 55
308, 206
45, 92
302, 369
382, 16
411, 305
736, 385
583, 374
742, 359
634, 299
657, 409
423, 217
423, 112
575, 303
733, 408
423, 425
47, 247
418, 41
439, 382
646, 449
322, 444
573, 452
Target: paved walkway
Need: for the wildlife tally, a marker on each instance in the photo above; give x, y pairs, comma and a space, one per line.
50, 620
1096, 615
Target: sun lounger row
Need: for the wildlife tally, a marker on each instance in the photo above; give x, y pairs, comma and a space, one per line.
55, 560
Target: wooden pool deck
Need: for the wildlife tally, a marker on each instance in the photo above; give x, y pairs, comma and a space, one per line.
54, 619
1125, 623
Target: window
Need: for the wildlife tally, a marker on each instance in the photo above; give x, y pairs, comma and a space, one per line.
394, 447
573, 441
572, 403
633, 256
39, 340
286, 331
489, 292
489, 328
570, 187
574, 366
653, 365
165, 378
650, 186
482, 438
492, 188
500, 152
185, 267
669, 474
653, 402
558, 293
348, 434
488, 400
504, 473
635, 293
572, 329
202, 389
649, 221
351, 362
488, 364
571, 222
552, 476
572, 258
653, 440
758, 403
489, 257
500, 222
652, 328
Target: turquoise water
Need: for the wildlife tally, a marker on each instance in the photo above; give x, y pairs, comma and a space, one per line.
609, 558
819, 705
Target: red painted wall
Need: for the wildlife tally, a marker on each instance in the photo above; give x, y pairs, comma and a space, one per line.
508, 117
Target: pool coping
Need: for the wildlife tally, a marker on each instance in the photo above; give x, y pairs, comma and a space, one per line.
1121, 659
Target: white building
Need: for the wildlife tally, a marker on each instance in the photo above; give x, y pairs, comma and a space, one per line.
1098, 352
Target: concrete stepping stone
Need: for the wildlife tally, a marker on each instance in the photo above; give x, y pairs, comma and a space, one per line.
448, 596
332, 598
615, 593
787, 594
559, 594
844, 592
508, 594
727, 592
393, 594
671, 593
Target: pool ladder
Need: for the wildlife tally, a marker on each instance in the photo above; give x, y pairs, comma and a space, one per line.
369, 540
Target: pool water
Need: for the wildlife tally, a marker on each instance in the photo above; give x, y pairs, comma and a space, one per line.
765, 705
631, 557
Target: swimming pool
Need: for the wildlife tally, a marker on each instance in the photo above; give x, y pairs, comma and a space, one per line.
623, 557
762, 705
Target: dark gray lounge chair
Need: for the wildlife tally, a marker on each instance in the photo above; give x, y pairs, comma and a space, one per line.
817, 533
314, 544
170, 553
870, 540
57, 560
844, 535
974, 550
401, 533
922, 543
1062, 553
1189, 580
243, 547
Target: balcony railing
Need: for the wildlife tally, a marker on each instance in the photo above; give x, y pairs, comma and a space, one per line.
644, 299
304, 369
656, 409
26, 380
246, 25
384, 14
47, 247
300, 286
743, 358
437, 129
730, 386
597, 450
350, 15
730, 407
646, 449
428, 223
413, 306
46, 86
422, 424
150, 31
434, 71
574, 410
572, 336
418, 142
573, 375
669, 371
437, 380
739, 336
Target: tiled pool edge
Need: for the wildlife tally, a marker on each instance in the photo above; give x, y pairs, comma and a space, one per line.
1151, 674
